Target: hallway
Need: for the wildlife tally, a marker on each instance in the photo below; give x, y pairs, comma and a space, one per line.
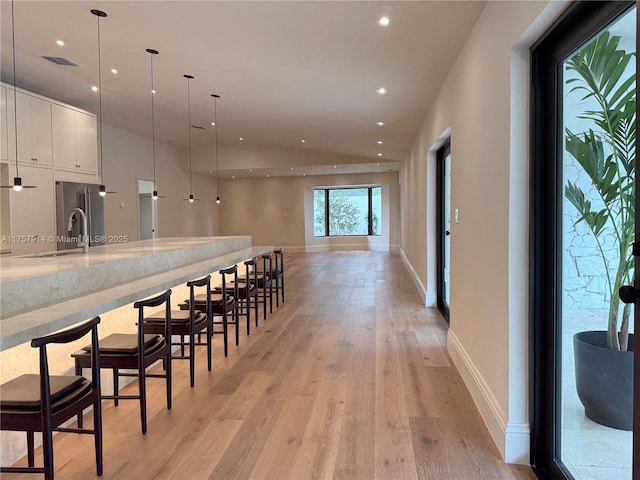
349, 379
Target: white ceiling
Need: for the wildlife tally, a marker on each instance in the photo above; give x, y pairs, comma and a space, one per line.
286, 71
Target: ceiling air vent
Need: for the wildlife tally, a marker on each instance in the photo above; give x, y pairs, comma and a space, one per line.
61, 61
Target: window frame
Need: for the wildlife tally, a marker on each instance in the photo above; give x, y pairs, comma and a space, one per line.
327, 209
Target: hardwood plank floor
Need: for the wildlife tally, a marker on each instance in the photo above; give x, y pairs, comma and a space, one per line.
349, 379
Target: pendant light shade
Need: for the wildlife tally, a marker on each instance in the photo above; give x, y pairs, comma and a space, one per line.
191, 198
17, 185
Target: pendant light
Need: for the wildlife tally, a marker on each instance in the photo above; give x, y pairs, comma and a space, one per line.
191, 199
215, 124
17, 180
155, 195
103, 190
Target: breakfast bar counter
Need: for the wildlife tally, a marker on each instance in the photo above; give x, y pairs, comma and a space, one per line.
42, 293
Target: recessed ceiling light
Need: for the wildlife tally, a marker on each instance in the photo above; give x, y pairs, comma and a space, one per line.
292, 169
251, 169
233, 176
114, 71
241, 139
94, 88
210, 171
380, 124
384, 21
379, 142
213, 124
303, 141
379, 154
60, 42
382, 90
154, 92
268, 175
304, 174
377, 164
335, 166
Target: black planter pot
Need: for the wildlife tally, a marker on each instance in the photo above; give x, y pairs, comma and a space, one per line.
604, 380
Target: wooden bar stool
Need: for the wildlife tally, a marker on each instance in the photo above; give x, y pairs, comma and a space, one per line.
277, 274
41, 403
224, 303
135, 351
263, 283
248, 292
188, 322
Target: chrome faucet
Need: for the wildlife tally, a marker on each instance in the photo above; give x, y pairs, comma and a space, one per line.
84, 243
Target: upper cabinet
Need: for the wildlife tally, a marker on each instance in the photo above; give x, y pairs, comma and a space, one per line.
4, 147
34, 128
74, 140
49, 133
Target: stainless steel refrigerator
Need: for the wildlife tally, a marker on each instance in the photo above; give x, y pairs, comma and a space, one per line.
70, 195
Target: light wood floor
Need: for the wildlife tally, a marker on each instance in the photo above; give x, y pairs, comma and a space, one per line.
349, 379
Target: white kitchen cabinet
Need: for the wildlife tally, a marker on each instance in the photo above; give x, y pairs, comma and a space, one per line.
34, 129
74, 140
4, 140
33, 213
86, 142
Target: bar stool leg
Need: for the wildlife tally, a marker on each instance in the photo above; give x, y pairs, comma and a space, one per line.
143, 398
78, 372
225, 330
97, 427
116, 387
209, 352
30, 450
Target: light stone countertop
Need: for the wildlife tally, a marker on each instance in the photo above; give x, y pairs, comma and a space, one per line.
40, 294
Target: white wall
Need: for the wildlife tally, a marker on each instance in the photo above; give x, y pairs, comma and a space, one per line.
484, 103
126, 159
274, 211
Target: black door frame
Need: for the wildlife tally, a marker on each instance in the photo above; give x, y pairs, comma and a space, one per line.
441, 234
580, 21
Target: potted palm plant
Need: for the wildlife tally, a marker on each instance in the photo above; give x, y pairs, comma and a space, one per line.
605, 75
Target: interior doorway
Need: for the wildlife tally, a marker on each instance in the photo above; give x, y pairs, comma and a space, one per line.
147, 212
443, 227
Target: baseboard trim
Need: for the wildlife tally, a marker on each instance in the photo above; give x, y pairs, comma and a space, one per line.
422, 290
490, 411
431, 299
518, 444
348, 246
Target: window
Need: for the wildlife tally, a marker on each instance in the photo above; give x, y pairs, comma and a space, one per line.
347, 211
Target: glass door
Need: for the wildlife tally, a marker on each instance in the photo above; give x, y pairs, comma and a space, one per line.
443, 220
583, 226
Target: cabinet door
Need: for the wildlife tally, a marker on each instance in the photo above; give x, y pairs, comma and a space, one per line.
8, 128
64, 137
86, 142
34, 130
4, 130
33, 211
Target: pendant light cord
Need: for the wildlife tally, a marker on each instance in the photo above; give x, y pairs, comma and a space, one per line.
215, 120
153, 127
189, 110
100, 98
15, 94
